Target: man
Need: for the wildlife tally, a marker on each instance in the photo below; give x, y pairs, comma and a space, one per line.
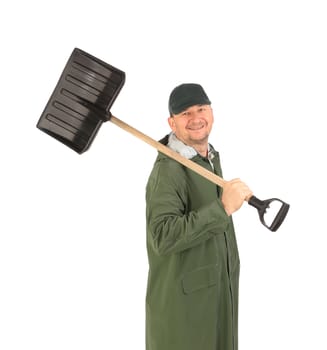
192, 293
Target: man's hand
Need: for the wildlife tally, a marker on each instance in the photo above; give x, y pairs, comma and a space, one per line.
235, 192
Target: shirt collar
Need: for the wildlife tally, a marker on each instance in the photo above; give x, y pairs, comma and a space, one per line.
186, 151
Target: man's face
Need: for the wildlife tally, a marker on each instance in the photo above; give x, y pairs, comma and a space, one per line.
193, 125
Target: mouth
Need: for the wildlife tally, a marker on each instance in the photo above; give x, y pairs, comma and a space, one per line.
195, 127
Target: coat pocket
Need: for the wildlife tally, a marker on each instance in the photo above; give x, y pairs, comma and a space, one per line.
203, 277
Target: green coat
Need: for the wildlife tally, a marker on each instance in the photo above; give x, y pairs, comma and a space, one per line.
192, 292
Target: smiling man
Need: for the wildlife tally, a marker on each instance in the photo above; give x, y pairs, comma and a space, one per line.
193, 127
192, 292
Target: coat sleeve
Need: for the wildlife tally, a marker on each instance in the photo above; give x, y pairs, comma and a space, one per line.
171, 226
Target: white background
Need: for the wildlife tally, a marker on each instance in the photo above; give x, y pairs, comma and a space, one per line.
73, 263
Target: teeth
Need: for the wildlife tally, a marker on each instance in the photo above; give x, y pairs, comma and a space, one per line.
196, 127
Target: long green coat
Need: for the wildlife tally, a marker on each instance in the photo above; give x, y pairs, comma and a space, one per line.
192, 292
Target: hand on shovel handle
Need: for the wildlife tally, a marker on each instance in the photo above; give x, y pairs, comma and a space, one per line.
235, 192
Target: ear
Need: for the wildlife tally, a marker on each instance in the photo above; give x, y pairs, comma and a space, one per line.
171, 123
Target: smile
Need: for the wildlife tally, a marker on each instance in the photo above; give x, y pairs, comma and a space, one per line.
195, 128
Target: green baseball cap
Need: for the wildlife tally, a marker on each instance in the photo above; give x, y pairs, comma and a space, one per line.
186, 95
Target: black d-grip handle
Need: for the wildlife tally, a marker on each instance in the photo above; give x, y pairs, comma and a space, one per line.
262, 207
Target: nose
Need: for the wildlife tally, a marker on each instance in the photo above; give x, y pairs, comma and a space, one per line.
193, 115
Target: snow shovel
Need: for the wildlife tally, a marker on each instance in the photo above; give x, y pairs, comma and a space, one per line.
81, 102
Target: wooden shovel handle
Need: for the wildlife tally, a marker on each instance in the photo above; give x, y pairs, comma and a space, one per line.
170, 153
252, 200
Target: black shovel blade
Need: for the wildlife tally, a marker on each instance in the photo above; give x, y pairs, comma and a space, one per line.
81, 100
